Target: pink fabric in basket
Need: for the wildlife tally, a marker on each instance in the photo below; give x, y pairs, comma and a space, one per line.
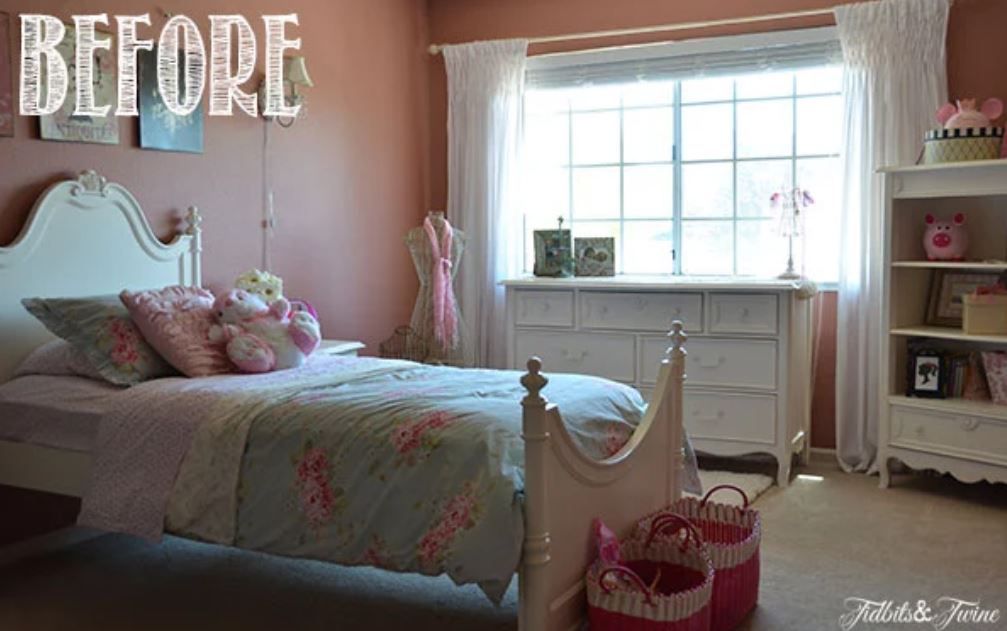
176, 321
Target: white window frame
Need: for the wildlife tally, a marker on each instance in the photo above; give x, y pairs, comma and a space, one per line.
736, 45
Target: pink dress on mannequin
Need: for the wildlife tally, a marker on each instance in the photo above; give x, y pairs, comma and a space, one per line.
437, 249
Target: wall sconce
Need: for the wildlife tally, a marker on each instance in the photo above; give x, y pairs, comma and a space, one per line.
295, 73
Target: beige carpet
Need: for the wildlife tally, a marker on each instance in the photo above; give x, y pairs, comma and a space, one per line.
825, 539
753, 485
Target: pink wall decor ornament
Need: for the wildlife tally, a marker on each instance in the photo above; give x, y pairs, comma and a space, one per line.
944, 240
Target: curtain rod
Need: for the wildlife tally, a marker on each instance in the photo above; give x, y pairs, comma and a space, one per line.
662, 28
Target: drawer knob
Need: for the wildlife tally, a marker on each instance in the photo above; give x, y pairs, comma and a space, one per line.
744, 313
719, 416
968, 424
709, 362
920, 431
573, 357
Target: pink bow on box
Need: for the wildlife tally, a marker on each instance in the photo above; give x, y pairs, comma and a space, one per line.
990, 290
445, 321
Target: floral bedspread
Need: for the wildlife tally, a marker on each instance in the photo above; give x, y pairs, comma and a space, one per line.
386, 463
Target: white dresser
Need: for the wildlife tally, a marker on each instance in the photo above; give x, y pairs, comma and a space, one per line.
748, 386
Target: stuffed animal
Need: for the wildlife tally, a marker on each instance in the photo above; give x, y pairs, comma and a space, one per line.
945, 241
966, 116
262, 337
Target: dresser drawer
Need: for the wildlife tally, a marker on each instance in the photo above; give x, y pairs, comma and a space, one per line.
742, 417
639, 311
610, 356
716, 362
544, 308
962, 435
743, 313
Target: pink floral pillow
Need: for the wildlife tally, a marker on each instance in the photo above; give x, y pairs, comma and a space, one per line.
175, 321
100, 330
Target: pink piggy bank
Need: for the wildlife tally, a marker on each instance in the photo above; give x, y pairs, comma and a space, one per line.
944, 241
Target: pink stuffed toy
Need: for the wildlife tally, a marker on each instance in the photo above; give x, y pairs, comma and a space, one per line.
262, 337
945, 241
966, 116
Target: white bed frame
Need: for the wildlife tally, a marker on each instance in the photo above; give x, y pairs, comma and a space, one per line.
87, 236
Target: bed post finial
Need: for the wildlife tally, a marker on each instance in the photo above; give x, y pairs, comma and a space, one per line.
193, 221
193, 228
534, 381
678, 337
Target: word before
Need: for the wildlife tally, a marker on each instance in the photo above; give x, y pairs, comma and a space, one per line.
45, 76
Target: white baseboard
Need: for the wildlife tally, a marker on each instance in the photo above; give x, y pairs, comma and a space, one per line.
829, 451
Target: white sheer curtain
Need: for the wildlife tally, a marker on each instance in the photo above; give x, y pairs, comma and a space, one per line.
485, 94
894, 81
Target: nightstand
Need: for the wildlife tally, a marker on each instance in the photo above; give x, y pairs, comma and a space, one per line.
348, 348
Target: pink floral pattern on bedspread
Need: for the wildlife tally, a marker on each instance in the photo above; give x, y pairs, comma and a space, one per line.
149, 430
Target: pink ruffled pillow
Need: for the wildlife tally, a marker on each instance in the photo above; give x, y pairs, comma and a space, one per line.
175, 321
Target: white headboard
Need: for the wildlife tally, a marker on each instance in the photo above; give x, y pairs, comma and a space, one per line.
85, 237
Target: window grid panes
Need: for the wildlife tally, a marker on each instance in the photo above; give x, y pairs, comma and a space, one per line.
680, 173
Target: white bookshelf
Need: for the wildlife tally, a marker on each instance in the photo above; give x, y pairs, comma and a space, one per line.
953, 265
967, 439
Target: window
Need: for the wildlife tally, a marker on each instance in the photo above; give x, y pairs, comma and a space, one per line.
680, 171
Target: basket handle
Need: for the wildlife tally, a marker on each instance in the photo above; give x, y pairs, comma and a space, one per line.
633, 576
706, 498
663, 521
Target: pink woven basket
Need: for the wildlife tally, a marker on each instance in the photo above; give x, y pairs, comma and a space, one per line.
659, 584
733, 536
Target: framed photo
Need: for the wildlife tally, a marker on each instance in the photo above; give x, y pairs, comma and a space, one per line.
946, 291
594, 256
159, 128
927, 375
63, 125
553, 253
6, 79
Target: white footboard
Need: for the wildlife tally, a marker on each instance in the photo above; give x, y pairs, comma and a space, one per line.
565, 490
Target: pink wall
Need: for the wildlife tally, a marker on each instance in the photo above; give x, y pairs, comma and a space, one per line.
347, 178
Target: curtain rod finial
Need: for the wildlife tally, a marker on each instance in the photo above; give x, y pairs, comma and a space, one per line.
434, 49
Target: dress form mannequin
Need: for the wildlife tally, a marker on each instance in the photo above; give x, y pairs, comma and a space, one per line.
450, 349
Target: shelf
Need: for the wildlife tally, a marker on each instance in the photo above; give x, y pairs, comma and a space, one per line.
952, 406
946, 333
961, 265
947, 167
